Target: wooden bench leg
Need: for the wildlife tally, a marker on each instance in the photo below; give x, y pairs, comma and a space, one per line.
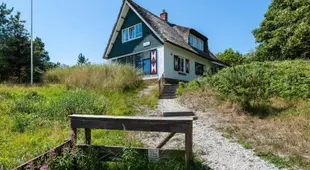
87, 136
189, 146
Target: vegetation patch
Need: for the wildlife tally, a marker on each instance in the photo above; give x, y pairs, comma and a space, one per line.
130, 159
35, 118
114, 77
265, 106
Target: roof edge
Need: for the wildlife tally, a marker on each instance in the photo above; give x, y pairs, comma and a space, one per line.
128, 2
210, 59
113, 30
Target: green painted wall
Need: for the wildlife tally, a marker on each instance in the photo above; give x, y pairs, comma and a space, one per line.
134, 46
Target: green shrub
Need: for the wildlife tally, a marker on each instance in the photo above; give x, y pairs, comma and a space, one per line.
258, 81
192, 86
29, 102
77, 102
255, 83
101, 77
244, 83
21, 121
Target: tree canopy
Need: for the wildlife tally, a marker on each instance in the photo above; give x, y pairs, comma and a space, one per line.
82, 60
285, 31
231, 57
15, 50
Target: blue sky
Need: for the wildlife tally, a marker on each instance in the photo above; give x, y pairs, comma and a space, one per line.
70, 27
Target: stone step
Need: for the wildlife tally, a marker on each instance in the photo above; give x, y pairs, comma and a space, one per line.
169, 91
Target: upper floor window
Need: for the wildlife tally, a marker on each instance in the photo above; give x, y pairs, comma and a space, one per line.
132, 33
196, 42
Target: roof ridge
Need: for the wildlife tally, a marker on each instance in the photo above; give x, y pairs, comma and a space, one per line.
166, 31
131, 1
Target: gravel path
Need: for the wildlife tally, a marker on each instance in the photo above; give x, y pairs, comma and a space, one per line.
218, 152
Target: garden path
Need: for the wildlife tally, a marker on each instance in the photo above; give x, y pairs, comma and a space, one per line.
216, 151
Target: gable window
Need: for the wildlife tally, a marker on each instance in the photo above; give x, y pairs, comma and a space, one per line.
199, 69
132, 33
196, 42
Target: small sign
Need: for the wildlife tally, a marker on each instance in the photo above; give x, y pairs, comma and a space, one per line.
146, 44
153, 155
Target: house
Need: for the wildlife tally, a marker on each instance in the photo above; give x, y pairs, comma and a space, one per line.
157, 47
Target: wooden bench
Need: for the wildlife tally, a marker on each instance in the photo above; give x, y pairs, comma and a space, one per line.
147, 124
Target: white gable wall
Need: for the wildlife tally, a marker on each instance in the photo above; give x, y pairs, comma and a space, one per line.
170, 51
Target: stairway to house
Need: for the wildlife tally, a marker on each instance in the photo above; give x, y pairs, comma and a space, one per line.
169, 91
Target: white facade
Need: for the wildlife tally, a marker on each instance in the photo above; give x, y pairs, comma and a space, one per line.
165, 63
171, 51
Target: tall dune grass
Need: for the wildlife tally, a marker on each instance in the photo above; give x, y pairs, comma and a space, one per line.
113, 77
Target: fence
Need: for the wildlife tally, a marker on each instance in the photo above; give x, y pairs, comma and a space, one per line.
172, 122
146, 124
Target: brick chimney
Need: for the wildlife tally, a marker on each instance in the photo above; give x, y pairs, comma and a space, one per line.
164, 15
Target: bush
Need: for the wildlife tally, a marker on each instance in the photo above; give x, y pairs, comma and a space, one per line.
243, 83
256, 82
287, 79
101, 77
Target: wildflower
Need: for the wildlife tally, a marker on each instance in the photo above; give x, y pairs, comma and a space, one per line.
30, 166
45, 167
72, 133
52, 153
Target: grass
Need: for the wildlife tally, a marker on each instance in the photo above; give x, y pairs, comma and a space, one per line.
282, 136
130, 159
150, 99
100, 77
34, 119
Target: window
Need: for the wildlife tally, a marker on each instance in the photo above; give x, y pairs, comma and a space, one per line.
199, 69
212, 71
121, 60
181, 65
196, 42
132, 33
141, 62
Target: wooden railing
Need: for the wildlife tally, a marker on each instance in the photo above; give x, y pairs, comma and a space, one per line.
161, 83
41, 160
173, 122
147, 124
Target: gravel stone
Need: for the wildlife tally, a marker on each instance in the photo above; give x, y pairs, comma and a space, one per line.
216, 151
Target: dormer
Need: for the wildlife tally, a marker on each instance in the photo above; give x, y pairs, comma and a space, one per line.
198, 41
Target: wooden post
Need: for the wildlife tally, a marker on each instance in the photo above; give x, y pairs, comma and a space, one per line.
87, 136
189, 146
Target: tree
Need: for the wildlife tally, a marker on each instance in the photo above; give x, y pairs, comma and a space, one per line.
231, 57
285, 31
82, 60
15, 50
